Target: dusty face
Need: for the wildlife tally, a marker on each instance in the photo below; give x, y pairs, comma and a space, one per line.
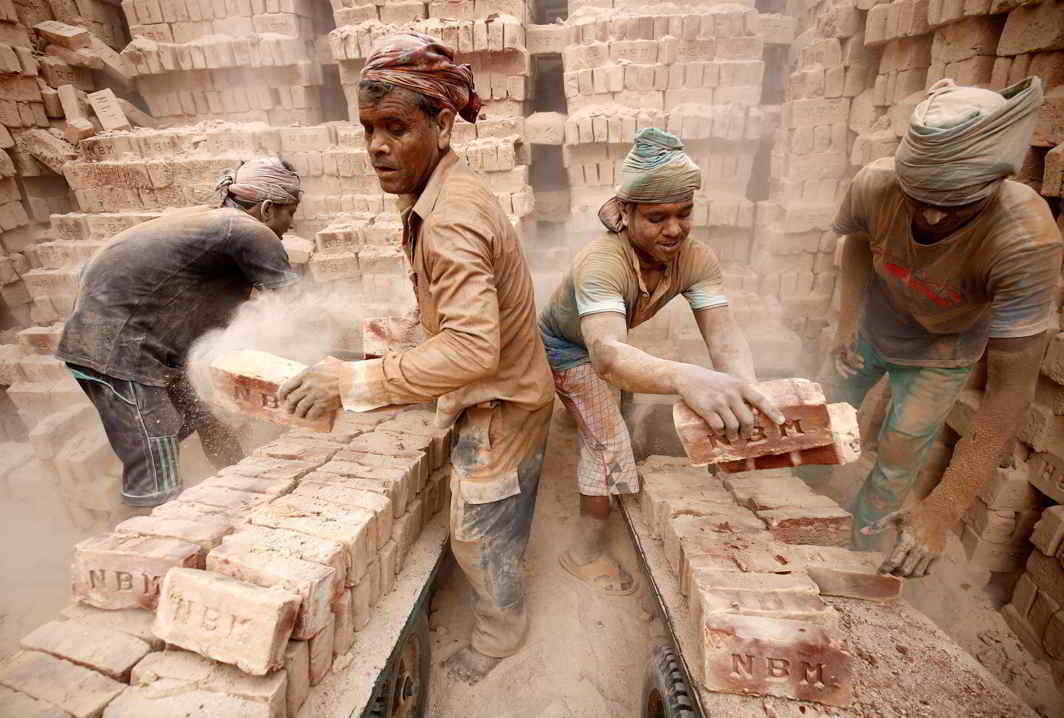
934, 221
404, 143
278, 217
658, 231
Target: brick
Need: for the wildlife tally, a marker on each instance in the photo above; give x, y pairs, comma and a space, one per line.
809, 525
222, 498
1011, 527
1010, 490
1047, 475
314, 583
47, 149
1049, 531
139, 701
1053, 176
772, 656
320, 649
379, 506
1032, 28
58, 33
838, 571
1047, 574
109, 652
344, 624
105, 104
297, 668
134, 622
968, 38
668, 493
125, 571
251, 484
13, 703
350, 528
206, 534
225, 619
1053, 363
294, 545
992, 556
169, 670
74, 689
247, 381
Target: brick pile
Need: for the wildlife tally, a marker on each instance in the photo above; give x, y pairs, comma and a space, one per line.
256, 579
753, 553
245, 61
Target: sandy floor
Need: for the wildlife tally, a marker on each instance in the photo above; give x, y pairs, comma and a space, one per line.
585, 654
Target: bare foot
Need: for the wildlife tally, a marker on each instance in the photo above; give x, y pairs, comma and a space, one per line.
470, 665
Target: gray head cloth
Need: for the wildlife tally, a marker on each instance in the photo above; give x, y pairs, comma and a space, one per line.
962, 141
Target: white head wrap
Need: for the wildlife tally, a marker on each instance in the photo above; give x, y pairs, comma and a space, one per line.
261, 179
962, 141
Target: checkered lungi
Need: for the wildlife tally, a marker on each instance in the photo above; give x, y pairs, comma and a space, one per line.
606, 464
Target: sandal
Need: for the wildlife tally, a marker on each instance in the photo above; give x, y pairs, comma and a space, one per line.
604, 574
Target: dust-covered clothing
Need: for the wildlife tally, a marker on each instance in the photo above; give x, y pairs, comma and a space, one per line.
935, 305
605, 277
920, 400
145, 425
484, 357
607, 465
489, 541
157, 287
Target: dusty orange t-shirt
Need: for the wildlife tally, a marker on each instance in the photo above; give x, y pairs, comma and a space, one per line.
936, 305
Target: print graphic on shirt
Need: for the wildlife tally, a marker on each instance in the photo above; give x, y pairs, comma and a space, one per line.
940, 294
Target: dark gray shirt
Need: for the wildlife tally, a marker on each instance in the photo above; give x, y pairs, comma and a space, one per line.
157, 287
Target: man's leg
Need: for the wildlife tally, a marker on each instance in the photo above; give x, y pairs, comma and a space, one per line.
489, 542
921, 398
606, 467
220, 444
141, 425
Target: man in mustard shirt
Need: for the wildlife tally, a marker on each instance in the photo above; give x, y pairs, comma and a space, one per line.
617, 282
483, 361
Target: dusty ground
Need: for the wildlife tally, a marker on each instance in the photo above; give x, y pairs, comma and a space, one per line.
585, 654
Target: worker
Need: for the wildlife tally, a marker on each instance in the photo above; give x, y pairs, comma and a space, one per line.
148, 295
483, 361
617, 282
949, 259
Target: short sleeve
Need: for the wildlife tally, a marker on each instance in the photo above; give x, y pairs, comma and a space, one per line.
852, 217
703, 286
598, 284
260, 255
1024, 285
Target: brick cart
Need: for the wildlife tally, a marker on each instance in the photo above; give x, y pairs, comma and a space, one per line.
900, 664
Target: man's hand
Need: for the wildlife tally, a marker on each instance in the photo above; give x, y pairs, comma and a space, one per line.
724, 401
313, 393
844, 354
921, 539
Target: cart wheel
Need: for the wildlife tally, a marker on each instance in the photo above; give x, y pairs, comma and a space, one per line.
665, 692
405, 692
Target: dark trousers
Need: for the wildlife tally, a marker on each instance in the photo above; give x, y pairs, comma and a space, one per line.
145, 425
489, 542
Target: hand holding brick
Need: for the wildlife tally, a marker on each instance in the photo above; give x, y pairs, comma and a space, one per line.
813, 433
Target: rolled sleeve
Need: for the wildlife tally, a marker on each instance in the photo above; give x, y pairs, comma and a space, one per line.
597, 287
706, 294
362, 385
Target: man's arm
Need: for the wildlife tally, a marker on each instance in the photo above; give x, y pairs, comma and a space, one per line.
727, 345
1012, 372
855, 269
465, 350
722, 400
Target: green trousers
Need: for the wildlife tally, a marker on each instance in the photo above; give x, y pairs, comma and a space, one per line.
921, 398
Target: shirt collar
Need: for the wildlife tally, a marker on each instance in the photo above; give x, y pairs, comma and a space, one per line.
634, 259
423, 204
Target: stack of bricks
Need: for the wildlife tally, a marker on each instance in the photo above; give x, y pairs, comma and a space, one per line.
245, 61
753, 554
256, 579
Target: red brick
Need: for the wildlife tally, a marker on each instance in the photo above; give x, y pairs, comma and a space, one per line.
126, 571
392, 482
294, 545
131, 621
247, 381
755, 655
321, 652
1049, 531
206, 533
297, 668
379, 506
225, 619
809, 525
13, 703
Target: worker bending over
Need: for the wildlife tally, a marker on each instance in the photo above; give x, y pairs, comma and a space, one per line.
617, 282
151, 292
483, 362
948, 259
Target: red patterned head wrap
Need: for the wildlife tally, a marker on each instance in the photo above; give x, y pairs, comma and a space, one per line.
423, 64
